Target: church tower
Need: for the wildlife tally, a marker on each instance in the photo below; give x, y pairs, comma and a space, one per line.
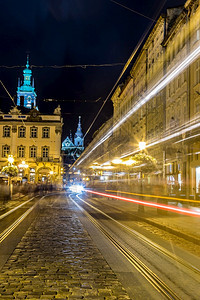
26, 95
78, 137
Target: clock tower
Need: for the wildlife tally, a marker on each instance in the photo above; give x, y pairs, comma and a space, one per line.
26, 95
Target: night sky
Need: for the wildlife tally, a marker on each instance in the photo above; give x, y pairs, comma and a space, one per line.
72, 32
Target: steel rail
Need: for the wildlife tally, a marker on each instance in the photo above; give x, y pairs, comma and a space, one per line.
10, 229
148, 241
15, 208
152, 278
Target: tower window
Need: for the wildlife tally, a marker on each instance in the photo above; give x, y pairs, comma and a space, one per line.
22, 132
6, 131
45, 132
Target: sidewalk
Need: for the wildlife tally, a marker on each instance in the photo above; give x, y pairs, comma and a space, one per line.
183, 226
57, 259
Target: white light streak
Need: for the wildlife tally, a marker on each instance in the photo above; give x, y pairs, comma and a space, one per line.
156, 89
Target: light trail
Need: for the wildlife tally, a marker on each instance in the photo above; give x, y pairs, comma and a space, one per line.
156, 89
171, 208
155, 196
166, 138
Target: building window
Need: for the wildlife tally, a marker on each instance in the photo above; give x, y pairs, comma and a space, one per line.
21, 151
32, 151
5, 151
45, 132
6, 131
33, 132
45, 151
22, 132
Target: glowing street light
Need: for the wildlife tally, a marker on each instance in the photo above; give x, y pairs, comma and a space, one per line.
142, 145
23, 165
10, 159
129, 162
117, 161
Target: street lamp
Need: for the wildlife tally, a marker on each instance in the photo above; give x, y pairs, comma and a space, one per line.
23, 165
117, 161
10, 160
11, 171
142, 145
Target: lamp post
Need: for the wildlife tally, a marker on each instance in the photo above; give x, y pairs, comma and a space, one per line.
11, 171
10, 163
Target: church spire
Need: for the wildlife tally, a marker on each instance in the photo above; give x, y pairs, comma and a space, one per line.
78, 138
27, 61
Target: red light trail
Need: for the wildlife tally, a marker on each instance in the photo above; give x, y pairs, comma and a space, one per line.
171, 208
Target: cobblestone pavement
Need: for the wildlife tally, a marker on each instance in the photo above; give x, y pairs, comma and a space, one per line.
56, 259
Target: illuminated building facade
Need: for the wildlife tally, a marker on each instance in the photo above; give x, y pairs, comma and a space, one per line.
158, 102
32, 138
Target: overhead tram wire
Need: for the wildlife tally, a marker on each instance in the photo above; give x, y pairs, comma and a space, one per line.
83, 66
81, 101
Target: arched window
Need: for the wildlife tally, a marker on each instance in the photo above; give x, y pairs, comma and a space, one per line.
45, 151
5, 151
22, 132
21, 151
6, 131
33, 132
32, 151
45, 132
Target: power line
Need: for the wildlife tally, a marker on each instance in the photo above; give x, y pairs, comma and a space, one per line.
134, 11
75, 100
83, 66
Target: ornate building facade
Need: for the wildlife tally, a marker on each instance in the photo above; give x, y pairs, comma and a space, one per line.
158, 102
31, 137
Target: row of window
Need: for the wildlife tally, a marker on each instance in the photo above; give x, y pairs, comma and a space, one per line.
21, 151
22, 132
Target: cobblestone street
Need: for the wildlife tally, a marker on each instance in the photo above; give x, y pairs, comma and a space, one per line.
57, 259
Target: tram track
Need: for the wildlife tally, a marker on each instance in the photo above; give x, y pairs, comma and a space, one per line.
152, 278
13, 225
